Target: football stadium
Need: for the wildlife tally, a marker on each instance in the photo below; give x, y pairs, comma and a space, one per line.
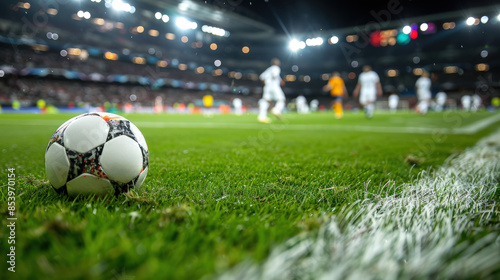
261, 139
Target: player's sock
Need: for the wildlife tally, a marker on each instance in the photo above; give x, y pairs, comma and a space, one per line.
423, 107
263, 106
280, 104
369, 110
337, 109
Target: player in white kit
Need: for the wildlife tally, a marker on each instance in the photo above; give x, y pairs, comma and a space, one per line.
393, 102
476, 102
237, 104
302, 107
368, 88
466, 100
272, 92
440, 101
424, 94
314, 105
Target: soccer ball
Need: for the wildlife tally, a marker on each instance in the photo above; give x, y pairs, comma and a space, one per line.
96, 154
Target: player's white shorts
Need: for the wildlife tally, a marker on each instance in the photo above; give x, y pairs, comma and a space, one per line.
367, 97
423, 95
273, 94
441, 101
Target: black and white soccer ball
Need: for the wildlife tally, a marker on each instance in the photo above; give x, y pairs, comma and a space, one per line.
96, 154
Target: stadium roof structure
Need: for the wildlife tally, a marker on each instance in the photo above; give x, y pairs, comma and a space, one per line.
245, 35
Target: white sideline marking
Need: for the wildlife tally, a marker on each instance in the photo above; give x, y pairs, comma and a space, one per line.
478, 125
468, 129
279, 126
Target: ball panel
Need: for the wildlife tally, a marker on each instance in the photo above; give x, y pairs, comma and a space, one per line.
86, 133
145, 158
138, 135
88, 184
118, 128
88, 162
141, 178
121, 159
56, 165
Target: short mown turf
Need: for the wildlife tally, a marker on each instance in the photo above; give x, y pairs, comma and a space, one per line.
220, 189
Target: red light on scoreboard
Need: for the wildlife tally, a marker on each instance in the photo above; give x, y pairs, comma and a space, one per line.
375, 38
414, 34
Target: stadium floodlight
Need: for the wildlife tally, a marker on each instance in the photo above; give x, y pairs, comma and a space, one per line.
498, 17
333, 40
158, 15
165, 18
318, 41
119, 5
295, 45
424, 26
470, 21
80, 14
86, 15
484, 19
214, 30
184, 23
407, 29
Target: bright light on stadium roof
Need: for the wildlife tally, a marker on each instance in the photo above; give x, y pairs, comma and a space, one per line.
158, 15
470, 21
484, 19
498, 17
295, 45
165, 18
119, 5
318, 41
184, 6
424, 26
407, 29
184, 23
214, 30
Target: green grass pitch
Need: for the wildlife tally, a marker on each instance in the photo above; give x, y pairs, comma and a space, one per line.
221, 189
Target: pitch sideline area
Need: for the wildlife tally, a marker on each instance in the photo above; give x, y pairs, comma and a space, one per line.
446, 123
418, 233
469, 129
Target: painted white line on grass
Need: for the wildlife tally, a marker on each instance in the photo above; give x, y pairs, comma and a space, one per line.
478, 125
298, 127
416, 234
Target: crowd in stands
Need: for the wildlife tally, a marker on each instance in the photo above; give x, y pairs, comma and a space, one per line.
59, 91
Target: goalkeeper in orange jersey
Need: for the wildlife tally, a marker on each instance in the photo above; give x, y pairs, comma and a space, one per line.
338, 91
